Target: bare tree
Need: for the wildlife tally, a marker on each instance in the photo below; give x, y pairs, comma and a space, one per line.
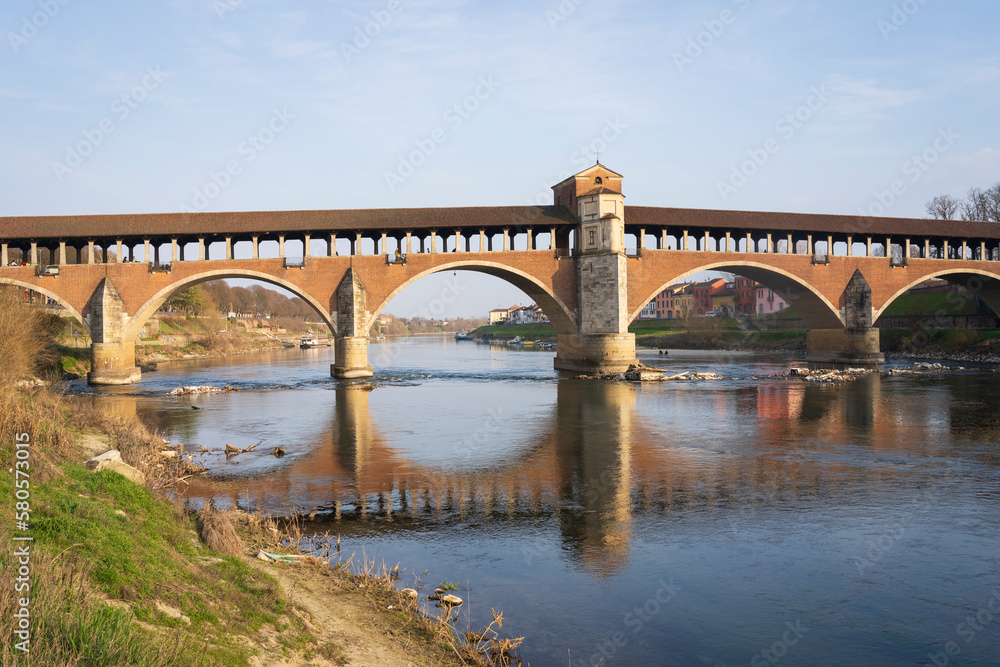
982, 204
944, 207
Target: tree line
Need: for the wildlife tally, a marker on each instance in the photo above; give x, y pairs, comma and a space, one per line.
253, 301
981, 204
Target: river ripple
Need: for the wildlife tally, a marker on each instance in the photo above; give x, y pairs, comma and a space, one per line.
735, 522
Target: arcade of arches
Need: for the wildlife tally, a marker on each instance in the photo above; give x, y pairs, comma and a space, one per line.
590, 262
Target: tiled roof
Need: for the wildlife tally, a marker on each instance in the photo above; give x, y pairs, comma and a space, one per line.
599, 190
860, 226
253, 222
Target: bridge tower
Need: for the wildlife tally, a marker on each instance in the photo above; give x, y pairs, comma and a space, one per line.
602, 342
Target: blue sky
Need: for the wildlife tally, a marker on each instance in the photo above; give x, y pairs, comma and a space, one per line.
828, 101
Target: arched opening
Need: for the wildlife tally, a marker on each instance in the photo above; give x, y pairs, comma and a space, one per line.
559, 314
942, 309
144, 312
70, 311
973, 287
810, 305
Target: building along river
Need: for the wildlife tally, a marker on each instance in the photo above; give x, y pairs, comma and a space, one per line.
741, 521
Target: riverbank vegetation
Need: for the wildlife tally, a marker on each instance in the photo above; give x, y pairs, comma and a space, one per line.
119, 574
701, 333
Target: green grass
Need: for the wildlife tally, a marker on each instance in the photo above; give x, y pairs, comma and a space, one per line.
151, 553
947, 303
525, 331
785, 314
127, 544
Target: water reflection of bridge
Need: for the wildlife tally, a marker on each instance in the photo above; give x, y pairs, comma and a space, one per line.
598, 466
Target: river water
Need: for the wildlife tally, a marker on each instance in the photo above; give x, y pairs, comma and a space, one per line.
742, 521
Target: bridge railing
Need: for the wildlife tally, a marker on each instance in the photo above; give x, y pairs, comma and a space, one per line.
157, 267
398, 258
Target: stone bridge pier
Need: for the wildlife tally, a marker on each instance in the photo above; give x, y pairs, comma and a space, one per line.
351, 346
855, 345
112, 358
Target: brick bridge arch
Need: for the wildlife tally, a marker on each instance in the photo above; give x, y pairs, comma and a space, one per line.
814, 307
559, 313
152, 304
988, 289
77, 315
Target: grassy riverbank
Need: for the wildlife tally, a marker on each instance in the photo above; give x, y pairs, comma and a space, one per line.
704, 333
118, 574
178, 338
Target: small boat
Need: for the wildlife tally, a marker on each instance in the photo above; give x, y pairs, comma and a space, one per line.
461, 335
313, 341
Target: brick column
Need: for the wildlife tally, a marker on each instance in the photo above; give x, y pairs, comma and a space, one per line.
201, 249
229, 247
281, 245
307, 239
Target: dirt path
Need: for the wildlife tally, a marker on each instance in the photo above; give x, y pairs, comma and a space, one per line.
367, 633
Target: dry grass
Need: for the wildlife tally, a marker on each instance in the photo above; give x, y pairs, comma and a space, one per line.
217, 532
25, 339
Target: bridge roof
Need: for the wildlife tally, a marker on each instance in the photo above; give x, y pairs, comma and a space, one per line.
254, 222
402, 219
690, 218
